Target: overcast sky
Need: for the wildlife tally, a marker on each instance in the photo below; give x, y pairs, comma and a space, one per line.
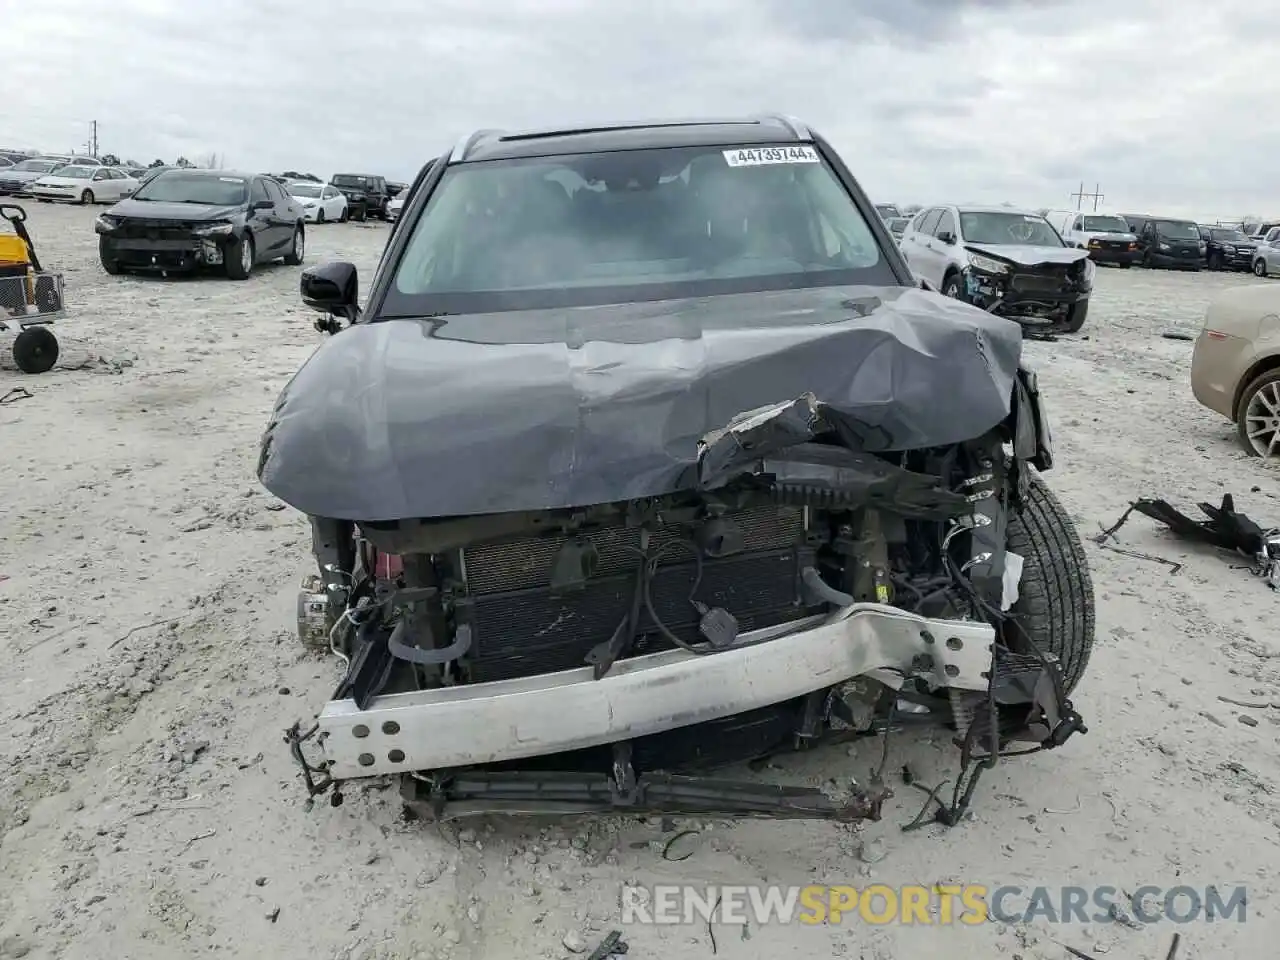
1169, 104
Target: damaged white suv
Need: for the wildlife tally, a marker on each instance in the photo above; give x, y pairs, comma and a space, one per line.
646, 456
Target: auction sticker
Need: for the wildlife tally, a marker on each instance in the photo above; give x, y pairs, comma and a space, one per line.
759, 156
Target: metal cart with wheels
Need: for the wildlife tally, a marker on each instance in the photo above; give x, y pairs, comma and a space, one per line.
30, 297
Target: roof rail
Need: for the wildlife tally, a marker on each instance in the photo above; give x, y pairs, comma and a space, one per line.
796, 126
464, 145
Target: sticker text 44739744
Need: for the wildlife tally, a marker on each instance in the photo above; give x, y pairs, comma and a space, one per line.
759, 156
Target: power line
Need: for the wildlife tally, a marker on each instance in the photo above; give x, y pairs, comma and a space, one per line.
1079, 196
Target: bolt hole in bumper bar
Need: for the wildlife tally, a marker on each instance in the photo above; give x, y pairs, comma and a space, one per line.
517, 719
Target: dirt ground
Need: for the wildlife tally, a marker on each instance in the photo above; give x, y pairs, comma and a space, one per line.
149, 807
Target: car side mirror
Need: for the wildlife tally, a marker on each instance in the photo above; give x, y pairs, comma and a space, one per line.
947, 237
333, 289
926, 285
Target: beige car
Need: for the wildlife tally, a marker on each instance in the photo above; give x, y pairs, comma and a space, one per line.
1235, 366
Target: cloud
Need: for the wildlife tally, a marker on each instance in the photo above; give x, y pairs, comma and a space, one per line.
1166, 105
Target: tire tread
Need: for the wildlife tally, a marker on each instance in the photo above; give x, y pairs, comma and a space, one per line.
1055, 603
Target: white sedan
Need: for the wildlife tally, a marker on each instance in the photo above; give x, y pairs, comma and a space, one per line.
319, 201
83, 183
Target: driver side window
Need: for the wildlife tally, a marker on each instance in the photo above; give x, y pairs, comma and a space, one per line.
258, 191
946, 224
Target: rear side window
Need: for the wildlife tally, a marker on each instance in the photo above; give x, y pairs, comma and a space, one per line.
633, 225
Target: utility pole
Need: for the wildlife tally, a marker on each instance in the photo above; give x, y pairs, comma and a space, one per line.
94, 141
1079, 196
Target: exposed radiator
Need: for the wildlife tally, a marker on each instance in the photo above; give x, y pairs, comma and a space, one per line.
520, 627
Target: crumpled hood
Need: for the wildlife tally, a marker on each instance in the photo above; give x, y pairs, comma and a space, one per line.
159, 210
545, 409
1028, 256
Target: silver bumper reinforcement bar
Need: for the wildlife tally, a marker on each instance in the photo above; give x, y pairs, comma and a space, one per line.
514, 719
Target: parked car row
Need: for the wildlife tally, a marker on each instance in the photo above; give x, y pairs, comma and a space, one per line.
1126, 239
71, 179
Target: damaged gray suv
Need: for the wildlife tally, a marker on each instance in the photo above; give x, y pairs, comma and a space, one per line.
645, 457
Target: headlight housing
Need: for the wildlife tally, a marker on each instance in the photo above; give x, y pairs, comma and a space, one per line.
986, 264
1164, 246
217, 228
106, 223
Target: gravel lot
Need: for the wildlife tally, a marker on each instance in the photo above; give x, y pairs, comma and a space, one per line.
149, 808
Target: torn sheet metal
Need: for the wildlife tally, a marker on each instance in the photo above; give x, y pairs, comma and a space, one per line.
772, 445
547, 409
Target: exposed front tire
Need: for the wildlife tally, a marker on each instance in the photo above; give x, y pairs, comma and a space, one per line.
298, 248
1215, 261
1055, 606
1077, 313
953, 287
1259, 267
1258, 416
86, 197
109, 263
320, 215
238, 257
362, 214
346, 215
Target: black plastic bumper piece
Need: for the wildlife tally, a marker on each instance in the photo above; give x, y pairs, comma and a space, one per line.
558, 794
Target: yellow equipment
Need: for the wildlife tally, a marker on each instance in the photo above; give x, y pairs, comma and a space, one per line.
30, 297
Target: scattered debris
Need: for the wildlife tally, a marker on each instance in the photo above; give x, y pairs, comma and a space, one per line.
573, 942
143, 626
1247, 720
16, 394
203, 836
1075, 809
1177, 335
274, 915
666, 850
710, 930
1252, 704
611, 946
1225, 529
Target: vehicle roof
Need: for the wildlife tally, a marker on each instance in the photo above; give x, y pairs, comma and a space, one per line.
633, 135
201, 172
993, 208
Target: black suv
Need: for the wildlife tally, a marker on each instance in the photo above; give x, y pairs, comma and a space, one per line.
367, 195
1227, 248
633, 392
